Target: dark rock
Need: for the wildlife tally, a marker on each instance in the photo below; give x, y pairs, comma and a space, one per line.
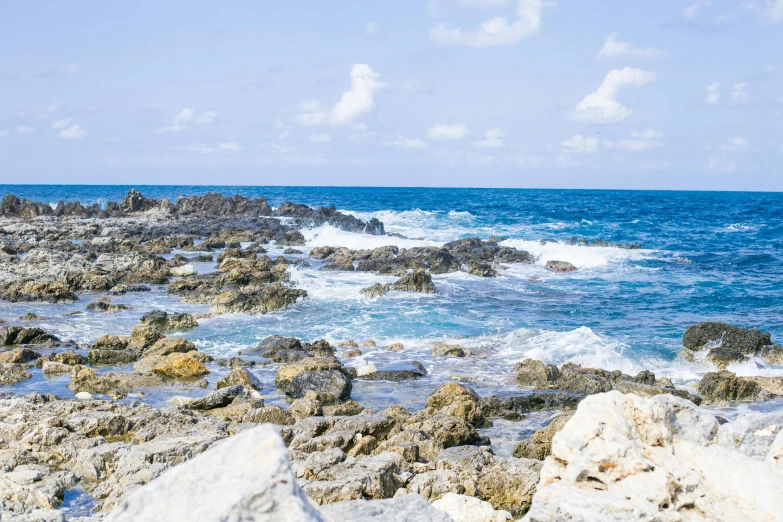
560, 266
398, 372
417, 281
330, 382
17, 335
481, 269
724, 387
217, 399
376, 290
166, 322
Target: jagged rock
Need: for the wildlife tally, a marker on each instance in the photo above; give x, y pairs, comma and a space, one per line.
417, 281
271, 414
217, 399
287, 372
401, 371
449, 350
376, 290
659, 458
458, 401
143, 337
166, 322
728, 344
289, 349
18, 335
268, 299
330, 382
11, 373
31, 487
239, 376
725, 387
103, 304
481, 269
246, 477
110, 342
55, 368
168, 345
179, 366
560, 266
19, 356
539, 445
111, 356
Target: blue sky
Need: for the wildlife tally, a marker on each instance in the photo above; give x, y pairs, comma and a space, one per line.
497, 93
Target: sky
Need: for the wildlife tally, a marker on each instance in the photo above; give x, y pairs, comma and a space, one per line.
636, 94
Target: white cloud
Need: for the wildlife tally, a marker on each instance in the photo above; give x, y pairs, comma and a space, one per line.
74, 132
24, 130
187, 118
739, 93
578, 144
61, 124
690, 12
712, 96
736, 144
773, 12
406, 143
372, 29
359, 100
230, 147
496, 31
283, 135
69, 69
445, 131
493, 138
412, 85
4, 133
486, 3
602, 106
200, 148
642, 141
320, 138
614, 48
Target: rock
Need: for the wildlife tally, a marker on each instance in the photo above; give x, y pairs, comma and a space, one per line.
456, 400
11, 373
351, 353
246, 477
30, 488
30, 316
110, 342
627, 457
481, 269
287, 372
449, 350
17, 335
111, 356
261, 301
271, 414
743, 340
180, 366
239, 376
376, 290
168, 345
365, 370
331, 382
725, 387
539, 446
55, 368
560, 266
83, 396
304, 408
183, 271
408, 508
104, 305
235, 362
143, 337
218, 399
417, 281
462, 508
760, 434
19, 356
396, 346
166, 322
402, 371
728, 344
281, 349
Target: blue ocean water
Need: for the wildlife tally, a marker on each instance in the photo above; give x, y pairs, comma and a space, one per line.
705, 256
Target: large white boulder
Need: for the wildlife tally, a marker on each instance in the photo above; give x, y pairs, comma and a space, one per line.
624, 457
183, 271
245, 478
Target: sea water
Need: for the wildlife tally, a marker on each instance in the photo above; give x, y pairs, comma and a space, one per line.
705, 256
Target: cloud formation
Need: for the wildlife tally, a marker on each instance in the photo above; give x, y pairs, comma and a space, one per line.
74, 132
496, 31
614, 48
712, 94
493, 138
446, 131
321, 138
406, 143
187, 118
602, 106
642, 141
359, 100
578, 144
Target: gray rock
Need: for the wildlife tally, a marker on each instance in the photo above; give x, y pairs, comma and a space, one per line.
758, 437
331, 382
244, 478
402, 371
407, 508
218, 399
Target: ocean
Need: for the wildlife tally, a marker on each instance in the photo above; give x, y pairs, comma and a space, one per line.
705, 256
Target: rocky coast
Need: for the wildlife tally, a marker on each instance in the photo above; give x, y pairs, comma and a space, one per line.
144, 423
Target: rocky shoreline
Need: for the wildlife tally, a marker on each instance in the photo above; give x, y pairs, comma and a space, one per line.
274, 433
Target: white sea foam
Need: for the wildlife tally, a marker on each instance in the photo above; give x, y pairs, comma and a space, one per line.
580, 256
327, 235
739, 227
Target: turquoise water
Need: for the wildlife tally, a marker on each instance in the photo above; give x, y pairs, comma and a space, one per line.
705, 256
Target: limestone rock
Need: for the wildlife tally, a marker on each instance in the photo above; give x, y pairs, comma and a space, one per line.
180, 366
539, 446
11, 373
449, 350
659, 458
239, 376
408, 508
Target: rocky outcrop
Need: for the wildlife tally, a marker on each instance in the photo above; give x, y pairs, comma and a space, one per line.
166, 322
246, 477
726, 344
539, 445
560, 266
587, 381
417, 281
462, 508
658, 458
408, 508
725, 387
18, 335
